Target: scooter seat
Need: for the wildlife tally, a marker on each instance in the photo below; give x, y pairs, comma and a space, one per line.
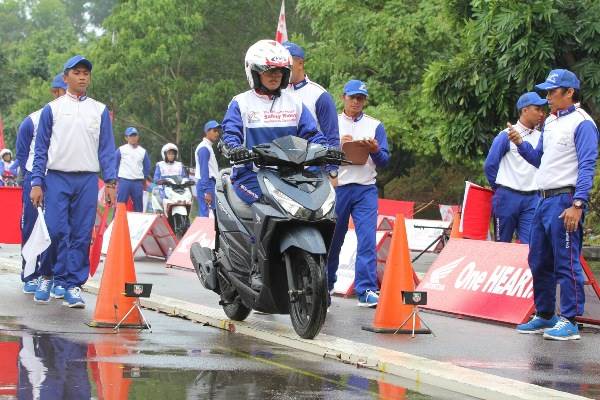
242, 210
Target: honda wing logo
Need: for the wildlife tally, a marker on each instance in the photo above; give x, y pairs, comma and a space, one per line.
441, 273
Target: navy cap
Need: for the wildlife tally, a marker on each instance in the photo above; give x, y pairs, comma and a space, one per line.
294, 49
559, 78
58, 82
355, 86
212, 124
530, 99
131, 131
73, 61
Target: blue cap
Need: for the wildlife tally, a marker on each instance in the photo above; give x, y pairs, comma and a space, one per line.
530, 99
131, 131
294, 49
73, 61
559, 78
58, 82
212, 124
355, 86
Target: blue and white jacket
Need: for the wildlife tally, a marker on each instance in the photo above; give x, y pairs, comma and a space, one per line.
26, 140
363, 127
322, 107
252, 119
206, 165
504, 166
164, 169
74, 135
132, 162
566, 153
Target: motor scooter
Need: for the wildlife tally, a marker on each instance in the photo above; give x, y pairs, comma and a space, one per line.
177, 202
284, 237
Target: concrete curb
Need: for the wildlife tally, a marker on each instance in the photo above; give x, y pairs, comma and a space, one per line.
418, 369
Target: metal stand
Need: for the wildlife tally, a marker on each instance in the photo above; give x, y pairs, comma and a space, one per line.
443, 238
135, 305
414, 315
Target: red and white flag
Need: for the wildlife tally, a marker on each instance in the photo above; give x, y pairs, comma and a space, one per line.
281, 34
2, 122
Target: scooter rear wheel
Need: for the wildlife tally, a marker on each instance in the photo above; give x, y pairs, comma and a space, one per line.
309, 310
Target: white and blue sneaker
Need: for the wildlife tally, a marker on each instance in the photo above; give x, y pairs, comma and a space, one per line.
42, 294
563, 330
57, 291
368, 299
73, 298
537, 324
30, 286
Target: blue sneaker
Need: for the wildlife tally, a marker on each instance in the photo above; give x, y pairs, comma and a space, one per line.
42, 294
368, 299
30, 286
73, 298
537, 324
563, 330
57, 291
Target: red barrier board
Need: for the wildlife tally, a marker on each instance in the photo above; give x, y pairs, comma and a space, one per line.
390, 208
201, 231
482, 279
10, 214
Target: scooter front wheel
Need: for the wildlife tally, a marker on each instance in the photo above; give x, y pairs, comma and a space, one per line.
309, 308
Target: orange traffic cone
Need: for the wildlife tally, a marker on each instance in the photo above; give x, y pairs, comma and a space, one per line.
111, 304
392, 316
455, 232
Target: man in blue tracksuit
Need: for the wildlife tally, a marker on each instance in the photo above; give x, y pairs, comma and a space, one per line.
317, 100
207, 169
133, 167
566, 160
25, 150
74, 142
356, 193
512, 177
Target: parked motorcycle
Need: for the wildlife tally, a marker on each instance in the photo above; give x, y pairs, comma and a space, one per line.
176, 204
285, 237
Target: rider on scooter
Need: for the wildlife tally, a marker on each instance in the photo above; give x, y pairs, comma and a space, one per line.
262, 114
169, 166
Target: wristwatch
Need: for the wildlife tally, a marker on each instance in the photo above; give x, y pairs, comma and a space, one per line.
578, 204
333, 173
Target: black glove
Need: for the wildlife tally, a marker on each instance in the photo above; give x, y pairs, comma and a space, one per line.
238, 154
335, 154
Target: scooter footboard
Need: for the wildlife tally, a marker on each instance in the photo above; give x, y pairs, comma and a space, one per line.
304, 237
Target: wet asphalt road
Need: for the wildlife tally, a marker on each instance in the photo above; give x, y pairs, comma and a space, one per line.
47, 352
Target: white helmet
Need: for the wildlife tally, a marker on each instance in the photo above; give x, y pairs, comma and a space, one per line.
264, 55
167, 147
5, 151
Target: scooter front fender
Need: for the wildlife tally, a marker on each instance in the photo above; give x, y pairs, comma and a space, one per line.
303, 237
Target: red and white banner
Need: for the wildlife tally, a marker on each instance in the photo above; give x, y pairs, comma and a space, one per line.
9, 369
2, 134
483, 279
150, 232
281, 34
202, 231
10, 214
476, 212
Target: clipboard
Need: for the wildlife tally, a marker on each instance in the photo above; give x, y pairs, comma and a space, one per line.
356, 152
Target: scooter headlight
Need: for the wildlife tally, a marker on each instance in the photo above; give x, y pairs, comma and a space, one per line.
327, 204
291, 206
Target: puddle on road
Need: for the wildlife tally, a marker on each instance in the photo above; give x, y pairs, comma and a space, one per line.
125, 367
